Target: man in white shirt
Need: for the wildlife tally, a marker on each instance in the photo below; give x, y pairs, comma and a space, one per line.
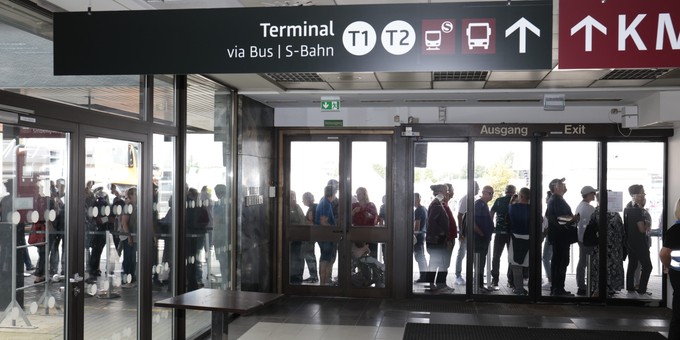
584, 209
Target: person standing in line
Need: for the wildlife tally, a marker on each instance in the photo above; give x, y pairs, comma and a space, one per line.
324, 217
559, 218
450, 240
637, 221
462, 248
308, 246
547, 246
419, 230
365, 214
670, 250
584, 210
437, 233
483, 231
501, 240
297, 266
518, 251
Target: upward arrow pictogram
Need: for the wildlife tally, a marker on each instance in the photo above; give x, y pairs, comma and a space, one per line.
589, 22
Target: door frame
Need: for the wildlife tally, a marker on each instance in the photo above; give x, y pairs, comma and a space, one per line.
145, 235
379, 235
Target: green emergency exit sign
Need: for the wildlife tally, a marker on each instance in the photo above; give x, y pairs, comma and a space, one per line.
329, 104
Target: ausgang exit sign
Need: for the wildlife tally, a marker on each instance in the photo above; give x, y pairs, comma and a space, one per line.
619, 34
330, 104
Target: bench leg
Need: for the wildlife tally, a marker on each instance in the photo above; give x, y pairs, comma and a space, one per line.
219, 326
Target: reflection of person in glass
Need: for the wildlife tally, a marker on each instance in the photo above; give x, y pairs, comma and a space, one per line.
128, 222
324, 217
221, 231
638, 222
308, 246
197, 220
419, 230
297, 265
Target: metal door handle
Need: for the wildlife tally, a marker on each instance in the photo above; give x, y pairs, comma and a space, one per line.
76, 278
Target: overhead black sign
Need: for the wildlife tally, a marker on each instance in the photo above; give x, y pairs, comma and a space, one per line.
402, 38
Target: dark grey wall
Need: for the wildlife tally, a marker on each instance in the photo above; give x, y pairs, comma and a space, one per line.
255, 175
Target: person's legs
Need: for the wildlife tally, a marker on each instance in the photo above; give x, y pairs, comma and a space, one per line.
462, 250
310, 259
436, 261
630, 272
583, 252
646, 264
674, 326
499, 243
547, 257
447, 252
518, 280
559, 263
419, 255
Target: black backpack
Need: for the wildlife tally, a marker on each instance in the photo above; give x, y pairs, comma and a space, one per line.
590, 236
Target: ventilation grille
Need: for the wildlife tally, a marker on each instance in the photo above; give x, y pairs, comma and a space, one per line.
306, 77
635, 74
460, 76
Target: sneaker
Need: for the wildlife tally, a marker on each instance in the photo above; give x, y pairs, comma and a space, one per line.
495, 287
311, 280
562, 293
644, 294
581, 292
460, 281
546, 286
421, 280
521, 292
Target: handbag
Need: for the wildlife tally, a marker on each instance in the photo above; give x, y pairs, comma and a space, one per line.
37, 234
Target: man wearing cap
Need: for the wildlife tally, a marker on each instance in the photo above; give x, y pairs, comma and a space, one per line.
584, 210
637, 222
558, 235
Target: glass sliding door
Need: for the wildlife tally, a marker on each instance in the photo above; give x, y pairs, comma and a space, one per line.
577, 163
439, 163
336, 219
33, 223
635, 177
502, 169
112, 227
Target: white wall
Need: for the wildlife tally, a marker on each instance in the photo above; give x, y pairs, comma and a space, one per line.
384, 117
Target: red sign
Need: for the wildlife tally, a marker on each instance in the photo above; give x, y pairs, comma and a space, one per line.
619, 34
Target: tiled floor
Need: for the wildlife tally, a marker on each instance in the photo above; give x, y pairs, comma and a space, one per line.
343, 318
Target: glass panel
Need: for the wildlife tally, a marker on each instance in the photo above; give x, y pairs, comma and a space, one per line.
369, 182
433, 260
33, 221
568, 278
501, 170
164, 99
28, 69
208, 235
112, 173
164, 227
635, 177
321, 186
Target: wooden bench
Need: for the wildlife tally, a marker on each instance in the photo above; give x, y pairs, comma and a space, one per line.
220, 303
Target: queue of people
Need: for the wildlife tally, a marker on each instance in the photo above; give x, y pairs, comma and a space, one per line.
507, 224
